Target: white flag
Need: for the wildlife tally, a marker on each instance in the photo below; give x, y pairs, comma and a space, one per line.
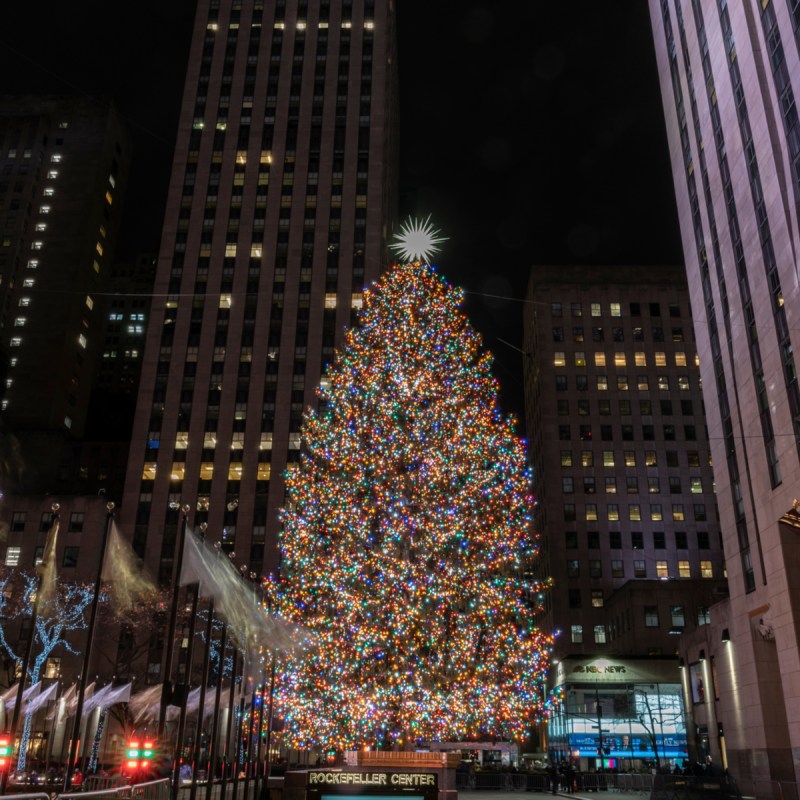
27, 695
38, 702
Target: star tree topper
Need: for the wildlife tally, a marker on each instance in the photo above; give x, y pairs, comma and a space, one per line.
417, 240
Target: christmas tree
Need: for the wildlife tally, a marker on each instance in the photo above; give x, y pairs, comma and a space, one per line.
407, 538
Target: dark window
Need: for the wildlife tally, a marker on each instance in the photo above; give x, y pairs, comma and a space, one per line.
636, 309
595, 571
46, 521
666, 408
690, 433
577, 333
637, 540
700, 513
593, 539
648, 433
672, 458
561, 383
655, 309
597, 335
583, 408
669, 433
70, 557
581, 383
574, 598
677, 334
675, 485
618, 334
627, 433
615, 540
563, 407
681, 540
558, 334
569, 512
658, 334
589, 486
555, 309
576, 310
702, 540
563, 433
687, 408
674, 310
573, 568
18, 521
651, 616
659, 540
604, 407
586, 433
76, 522
624, 408
571, 540
606, 433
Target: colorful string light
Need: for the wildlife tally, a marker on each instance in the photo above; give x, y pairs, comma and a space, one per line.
407, 538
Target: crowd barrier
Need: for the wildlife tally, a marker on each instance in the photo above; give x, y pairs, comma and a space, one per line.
656, 787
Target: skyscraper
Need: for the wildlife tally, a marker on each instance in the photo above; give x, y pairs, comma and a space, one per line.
624, 490
277, 216
64, 165
730, 76
622, 469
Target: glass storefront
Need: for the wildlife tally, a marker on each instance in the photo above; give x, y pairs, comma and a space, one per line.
635, 725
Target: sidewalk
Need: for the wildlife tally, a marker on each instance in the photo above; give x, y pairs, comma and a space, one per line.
481, 794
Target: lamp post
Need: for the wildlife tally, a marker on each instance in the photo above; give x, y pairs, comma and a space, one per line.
76, 726
599, 709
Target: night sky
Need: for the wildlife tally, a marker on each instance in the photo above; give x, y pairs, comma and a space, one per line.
531, 131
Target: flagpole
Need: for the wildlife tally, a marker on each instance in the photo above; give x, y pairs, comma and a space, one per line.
229, 724
166, 687
201, 708
76, 727
185, 693
215, 737
55, 507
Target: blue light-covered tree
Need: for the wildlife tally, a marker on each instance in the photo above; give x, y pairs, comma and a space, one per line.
62, 612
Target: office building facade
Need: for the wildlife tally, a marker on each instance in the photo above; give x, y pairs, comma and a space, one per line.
277, 216
63, 172
730, 77
621, 462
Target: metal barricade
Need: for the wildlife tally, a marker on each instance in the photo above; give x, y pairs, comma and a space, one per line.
151, 790
32, 796
754, 789
537, 782
488, 780
515, 781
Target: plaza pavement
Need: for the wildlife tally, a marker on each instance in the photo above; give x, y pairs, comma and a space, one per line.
482, 794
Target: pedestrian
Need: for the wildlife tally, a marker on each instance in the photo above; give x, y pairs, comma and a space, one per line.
553, 778
569, 773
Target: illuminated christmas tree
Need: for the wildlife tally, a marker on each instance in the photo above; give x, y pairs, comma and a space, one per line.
407, 538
